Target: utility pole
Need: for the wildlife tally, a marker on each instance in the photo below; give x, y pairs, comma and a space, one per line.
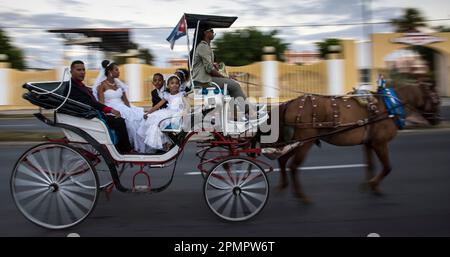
367, 44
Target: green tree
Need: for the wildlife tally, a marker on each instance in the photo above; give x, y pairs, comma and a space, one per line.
146, 55
245, 46
411, 20
14, 54
326, 47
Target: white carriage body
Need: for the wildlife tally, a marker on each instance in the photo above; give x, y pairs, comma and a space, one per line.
98, 130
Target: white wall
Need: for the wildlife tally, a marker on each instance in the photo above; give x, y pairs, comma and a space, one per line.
270, 78
335, 69
133, 80
4, 86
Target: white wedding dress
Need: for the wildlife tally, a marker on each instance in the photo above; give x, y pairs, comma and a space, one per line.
133, 116
150, 129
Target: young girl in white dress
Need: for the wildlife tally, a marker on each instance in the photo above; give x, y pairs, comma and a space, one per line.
112, 92
150, 129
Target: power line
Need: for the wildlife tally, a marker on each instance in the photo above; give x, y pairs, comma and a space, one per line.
257, 26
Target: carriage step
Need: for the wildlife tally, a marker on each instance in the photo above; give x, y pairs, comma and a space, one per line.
142, 189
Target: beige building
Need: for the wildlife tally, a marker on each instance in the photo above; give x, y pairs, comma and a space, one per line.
178, 62
384, 44
304, 58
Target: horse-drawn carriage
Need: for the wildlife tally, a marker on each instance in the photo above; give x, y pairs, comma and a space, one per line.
56, 184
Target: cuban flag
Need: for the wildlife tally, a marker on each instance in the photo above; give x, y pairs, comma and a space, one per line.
177, 32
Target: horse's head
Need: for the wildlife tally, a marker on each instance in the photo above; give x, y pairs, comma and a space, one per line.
429, 103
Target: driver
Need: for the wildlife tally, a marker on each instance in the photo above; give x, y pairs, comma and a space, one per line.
205, 71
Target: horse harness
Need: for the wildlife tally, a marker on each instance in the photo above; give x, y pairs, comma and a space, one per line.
335, 122
289, 127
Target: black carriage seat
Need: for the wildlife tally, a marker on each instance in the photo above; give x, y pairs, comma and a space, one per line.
55, 99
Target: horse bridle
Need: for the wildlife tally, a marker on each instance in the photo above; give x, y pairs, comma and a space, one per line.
429, 96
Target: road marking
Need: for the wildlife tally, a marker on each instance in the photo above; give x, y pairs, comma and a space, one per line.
345, 166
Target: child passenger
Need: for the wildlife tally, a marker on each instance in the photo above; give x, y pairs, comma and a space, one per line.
150, 129
157, 93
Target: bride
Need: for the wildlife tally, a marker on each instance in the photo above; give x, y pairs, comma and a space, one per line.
111, 91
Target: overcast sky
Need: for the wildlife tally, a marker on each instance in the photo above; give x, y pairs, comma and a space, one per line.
151, 21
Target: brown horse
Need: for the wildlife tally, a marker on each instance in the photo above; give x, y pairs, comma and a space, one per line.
344, 121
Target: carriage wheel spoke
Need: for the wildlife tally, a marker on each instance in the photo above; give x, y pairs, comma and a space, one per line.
218, 193
239, 206
29, 183
81, 191
229, 205
29, 193
72, 206
244, 173
47, 163
22, 169
220, 183
248, 203
63, 166
252, 176
63, 210
256, 196
38, 167
257, 185
220, 202
77, 198
31, 205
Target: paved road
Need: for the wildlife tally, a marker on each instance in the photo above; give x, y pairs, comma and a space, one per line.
415, 202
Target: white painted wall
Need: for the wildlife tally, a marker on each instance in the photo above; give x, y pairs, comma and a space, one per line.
363, 55
335, 69
270, 78
4, 86
133, 80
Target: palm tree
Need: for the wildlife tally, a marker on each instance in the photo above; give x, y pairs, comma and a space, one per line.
328, 46
412, 19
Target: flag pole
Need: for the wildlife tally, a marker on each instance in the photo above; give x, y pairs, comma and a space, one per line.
188, 46
195, 44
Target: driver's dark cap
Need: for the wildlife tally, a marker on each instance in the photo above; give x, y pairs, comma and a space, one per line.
206, 28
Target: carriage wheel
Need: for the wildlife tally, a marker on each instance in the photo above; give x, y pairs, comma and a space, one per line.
236, 189
54, 186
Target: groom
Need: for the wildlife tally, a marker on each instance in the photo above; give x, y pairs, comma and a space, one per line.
79, 92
